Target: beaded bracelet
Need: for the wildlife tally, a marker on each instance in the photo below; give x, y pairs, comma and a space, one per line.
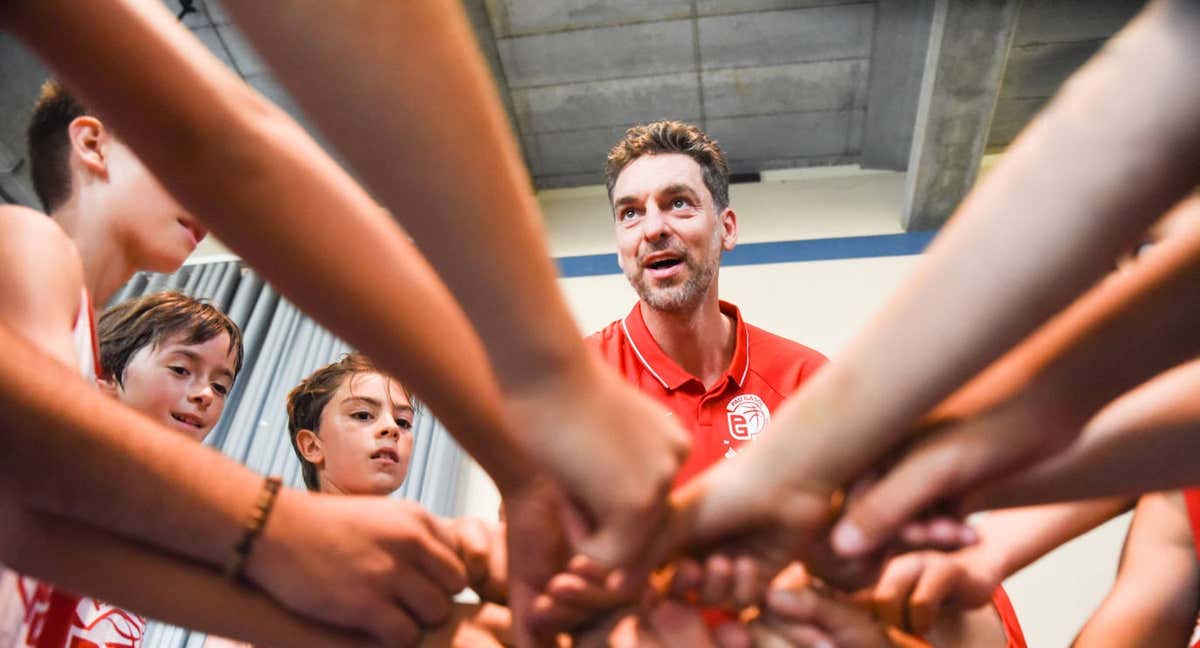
254, 527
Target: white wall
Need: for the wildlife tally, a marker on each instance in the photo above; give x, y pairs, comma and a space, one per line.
820, 304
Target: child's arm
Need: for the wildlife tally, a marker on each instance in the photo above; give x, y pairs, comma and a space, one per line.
1156, 597
802, 612
428, 133
1030, 404
1118, 146
1134, 445
1022, 408
83, 558
430, 138
915, 587
71, 451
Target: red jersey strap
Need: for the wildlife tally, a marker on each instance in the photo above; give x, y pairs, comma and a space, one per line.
1191, 498
1008, 617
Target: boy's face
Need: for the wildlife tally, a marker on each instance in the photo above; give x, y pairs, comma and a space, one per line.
157, 232
365, 438
182, 386
151, 229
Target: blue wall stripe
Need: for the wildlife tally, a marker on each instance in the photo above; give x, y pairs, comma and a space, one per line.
826, 249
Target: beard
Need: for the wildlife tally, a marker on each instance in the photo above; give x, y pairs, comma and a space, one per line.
683, 295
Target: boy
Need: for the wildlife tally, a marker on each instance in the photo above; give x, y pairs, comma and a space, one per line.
173, 359
351, 428
109, 218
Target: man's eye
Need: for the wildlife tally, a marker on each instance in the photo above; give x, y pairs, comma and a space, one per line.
629, 214
361, 416
679, 203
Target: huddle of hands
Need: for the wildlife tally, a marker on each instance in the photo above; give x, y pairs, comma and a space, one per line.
600, 548
617, 557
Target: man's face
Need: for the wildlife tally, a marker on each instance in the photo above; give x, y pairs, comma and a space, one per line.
365, 438
182, 386
670, 234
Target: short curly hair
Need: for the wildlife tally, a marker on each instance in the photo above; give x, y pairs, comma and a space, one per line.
671, 137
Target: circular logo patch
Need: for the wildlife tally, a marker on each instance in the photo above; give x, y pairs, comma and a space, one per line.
748, 416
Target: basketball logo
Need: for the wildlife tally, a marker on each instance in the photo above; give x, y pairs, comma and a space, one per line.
747, 415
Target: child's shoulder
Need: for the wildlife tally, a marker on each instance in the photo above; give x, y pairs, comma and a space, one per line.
21, 226
41, 274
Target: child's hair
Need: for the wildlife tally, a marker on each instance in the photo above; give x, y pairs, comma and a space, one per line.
152, 319
307, 401
49, 143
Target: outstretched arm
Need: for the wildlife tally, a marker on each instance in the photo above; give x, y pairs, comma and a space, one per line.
1116, 148
83, 558
1156, 596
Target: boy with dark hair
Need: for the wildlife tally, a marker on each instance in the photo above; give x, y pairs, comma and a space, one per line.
174, 359
110, 217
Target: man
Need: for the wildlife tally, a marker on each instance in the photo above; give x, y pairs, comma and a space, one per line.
718, 376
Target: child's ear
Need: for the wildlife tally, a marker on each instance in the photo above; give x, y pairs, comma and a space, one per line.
88, 139
310, 447
108, 385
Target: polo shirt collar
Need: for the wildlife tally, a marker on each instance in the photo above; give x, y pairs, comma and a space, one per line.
662, 367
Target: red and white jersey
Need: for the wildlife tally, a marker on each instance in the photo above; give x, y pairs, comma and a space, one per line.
766, 369
1191, 498
34, 614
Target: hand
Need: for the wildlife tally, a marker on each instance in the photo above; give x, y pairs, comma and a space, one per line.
664, 624
744, 507
949, 458
369, 563
614, 454
474, 626
802, 614
916, 586
480, 546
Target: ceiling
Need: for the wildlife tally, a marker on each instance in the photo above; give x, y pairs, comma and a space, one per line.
780, 83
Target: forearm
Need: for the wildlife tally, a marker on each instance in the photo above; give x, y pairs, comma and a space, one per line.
85, 559
1114, 150
1133, 445
429, 136
1014, 538
252, 174
71, 451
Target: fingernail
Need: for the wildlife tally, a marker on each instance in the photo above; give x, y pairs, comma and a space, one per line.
848, 539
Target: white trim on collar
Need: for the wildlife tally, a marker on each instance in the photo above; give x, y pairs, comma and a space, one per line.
638, 353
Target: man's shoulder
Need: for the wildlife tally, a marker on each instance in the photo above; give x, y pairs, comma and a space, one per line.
778, 346
782, 363
606, 339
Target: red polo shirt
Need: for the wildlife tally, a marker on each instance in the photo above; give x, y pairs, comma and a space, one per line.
765, 370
